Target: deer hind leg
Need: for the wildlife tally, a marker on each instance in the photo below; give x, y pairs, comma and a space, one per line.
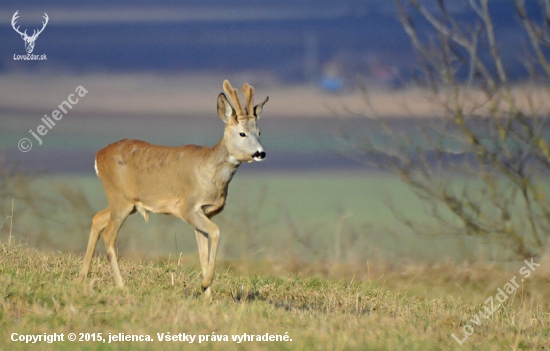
117, 218
206, 229
99, 222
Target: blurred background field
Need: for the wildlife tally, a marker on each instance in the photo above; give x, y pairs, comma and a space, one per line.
331, 68
283, 216
309, 200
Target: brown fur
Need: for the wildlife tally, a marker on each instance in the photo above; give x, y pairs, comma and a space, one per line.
188, 182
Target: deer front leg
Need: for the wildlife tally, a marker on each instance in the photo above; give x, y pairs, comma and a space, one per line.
204, 229
202, 243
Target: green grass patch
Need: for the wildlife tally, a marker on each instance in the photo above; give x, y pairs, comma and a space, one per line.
335, 215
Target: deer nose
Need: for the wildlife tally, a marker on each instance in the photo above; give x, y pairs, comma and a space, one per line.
259, 154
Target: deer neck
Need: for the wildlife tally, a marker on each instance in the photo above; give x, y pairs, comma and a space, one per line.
225, 165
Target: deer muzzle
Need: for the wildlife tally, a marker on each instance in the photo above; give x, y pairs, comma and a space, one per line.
258, 156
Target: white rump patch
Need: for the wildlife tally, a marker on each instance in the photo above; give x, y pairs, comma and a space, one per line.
95, 167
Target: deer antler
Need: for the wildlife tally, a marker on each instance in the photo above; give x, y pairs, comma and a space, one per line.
13, 22
248, 91
234, 96
43, 25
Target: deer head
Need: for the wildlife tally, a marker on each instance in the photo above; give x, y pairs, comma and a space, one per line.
242, 136
29, 40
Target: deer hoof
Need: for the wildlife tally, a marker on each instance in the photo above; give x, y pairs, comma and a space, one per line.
206, 292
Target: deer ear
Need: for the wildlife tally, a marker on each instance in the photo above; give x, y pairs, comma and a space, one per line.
225, 110
258, 108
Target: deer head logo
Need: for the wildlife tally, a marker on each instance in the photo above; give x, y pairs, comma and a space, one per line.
29, 40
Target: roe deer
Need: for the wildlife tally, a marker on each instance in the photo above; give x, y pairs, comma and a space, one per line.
188, 182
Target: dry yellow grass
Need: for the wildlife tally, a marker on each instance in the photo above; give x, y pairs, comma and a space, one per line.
38, 296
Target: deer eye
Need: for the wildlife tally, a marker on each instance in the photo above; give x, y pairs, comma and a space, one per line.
242, 134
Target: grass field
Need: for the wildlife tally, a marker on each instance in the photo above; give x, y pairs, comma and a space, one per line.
317, 258
39, 297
